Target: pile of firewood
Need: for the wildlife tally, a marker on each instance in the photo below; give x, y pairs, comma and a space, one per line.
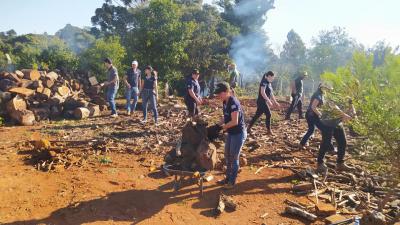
30, 95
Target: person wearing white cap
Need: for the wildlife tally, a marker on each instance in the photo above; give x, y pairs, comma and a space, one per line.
132, 82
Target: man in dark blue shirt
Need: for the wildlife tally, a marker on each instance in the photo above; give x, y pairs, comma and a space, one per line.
192, 97
233, 123
265, 100
297, 95
132, 82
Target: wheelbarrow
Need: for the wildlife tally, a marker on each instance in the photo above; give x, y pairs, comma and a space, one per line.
180, 174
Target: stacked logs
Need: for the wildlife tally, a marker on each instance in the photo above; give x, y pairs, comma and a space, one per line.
30, 95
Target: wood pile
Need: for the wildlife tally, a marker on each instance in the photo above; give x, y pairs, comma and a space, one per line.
30, 95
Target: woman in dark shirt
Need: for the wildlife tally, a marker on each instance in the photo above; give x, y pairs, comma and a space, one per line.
313, 114
265, 100
149, 92
233, 124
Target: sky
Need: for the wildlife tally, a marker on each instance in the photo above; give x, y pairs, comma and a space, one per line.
368, 21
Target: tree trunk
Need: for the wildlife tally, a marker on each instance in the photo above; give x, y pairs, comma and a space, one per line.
52, 76
19, 73
43, 93
81, 113
5, 97
25, 92
94, 110
31, 74
63, 91
41, 113
48, 82
10, 76
16, 104
6, 84
23, 117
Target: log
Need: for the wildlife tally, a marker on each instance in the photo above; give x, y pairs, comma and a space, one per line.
25, 83
48, 82
41, 113
16, 104
5, 97
31, 74
299, 212
55, 111
56, 100
52, 76
23, 117
25, 92
19, 73
43, 93
94, 110
81, 113
10, 76
73, 103
63, 91
76, 86
6, 84
35, 84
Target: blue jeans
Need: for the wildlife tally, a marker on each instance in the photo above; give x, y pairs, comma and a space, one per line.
312, 121
233, 146
131, 92
111, 93
149, 96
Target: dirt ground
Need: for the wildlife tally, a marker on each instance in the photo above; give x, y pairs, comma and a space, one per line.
125, 190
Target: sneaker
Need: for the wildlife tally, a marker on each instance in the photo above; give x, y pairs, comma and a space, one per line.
343, 167
128, 113
229, 186
322, 168
222, 181
143, 121
114, 115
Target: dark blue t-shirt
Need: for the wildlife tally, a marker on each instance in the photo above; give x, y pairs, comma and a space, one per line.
194, 85
318, 96
268, 90
230, 106
133, 77
149, 82
299, 86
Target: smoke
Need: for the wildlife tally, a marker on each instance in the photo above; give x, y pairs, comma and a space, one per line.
250, 50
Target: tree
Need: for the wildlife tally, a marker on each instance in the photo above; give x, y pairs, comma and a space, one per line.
159, 37
330, 50
375, 93
92, 58
294, 52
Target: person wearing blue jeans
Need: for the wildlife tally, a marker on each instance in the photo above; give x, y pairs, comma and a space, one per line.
132, 83
149, 93
233, 124
313, 115
112, 85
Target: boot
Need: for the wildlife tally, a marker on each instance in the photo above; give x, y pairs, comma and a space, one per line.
269, 132
343, 167
322, 168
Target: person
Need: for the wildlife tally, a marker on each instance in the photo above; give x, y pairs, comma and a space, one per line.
233, 77
313, 114
332, 126
132, 82
265, 100
297, 95
203, 87
232, 123
112, 85
192, 96
149, 91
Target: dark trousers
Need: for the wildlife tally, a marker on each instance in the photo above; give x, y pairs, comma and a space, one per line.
296, 101
326, 144
262, 108
312, 121
192, 107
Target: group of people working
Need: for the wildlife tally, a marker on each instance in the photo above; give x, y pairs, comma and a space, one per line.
233, 119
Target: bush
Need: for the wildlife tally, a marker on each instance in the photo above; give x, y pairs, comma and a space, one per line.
375, 93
